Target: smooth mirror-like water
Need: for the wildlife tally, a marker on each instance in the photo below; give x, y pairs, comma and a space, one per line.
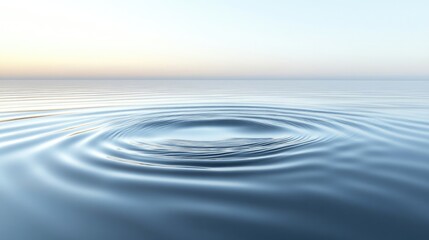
214, 159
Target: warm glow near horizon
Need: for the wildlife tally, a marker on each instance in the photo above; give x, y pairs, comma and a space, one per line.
225, 38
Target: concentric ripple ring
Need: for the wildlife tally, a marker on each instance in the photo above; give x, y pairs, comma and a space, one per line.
201, 137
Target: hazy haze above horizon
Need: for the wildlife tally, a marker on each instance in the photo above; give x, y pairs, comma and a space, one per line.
235, 39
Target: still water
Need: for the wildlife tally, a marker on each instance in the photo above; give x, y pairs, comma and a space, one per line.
214, 159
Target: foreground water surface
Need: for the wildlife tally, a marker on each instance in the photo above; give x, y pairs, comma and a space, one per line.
214, 159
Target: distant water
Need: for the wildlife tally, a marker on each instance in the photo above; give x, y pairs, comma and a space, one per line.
214, 160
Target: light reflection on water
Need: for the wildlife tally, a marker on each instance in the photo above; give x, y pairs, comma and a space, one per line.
214, 159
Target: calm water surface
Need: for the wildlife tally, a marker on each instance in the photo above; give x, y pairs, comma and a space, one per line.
214, 160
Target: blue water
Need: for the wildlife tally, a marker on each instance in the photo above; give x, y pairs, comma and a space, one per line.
214, 160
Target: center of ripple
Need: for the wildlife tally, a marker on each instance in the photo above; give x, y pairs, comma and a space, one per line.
213, 137
216, 130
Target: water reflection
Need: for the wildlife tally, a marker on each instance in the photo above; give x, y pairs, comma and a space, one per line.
214, 160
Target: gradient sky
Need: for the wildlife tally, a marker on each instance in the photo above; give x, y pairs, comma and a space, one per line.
214, 39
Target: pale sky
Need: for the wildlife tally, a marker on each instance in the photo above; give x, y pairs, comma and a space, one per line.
348, 39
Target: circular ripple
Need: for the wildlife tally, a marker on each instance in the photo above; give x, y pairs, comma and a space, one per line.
208, 137
213, 137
